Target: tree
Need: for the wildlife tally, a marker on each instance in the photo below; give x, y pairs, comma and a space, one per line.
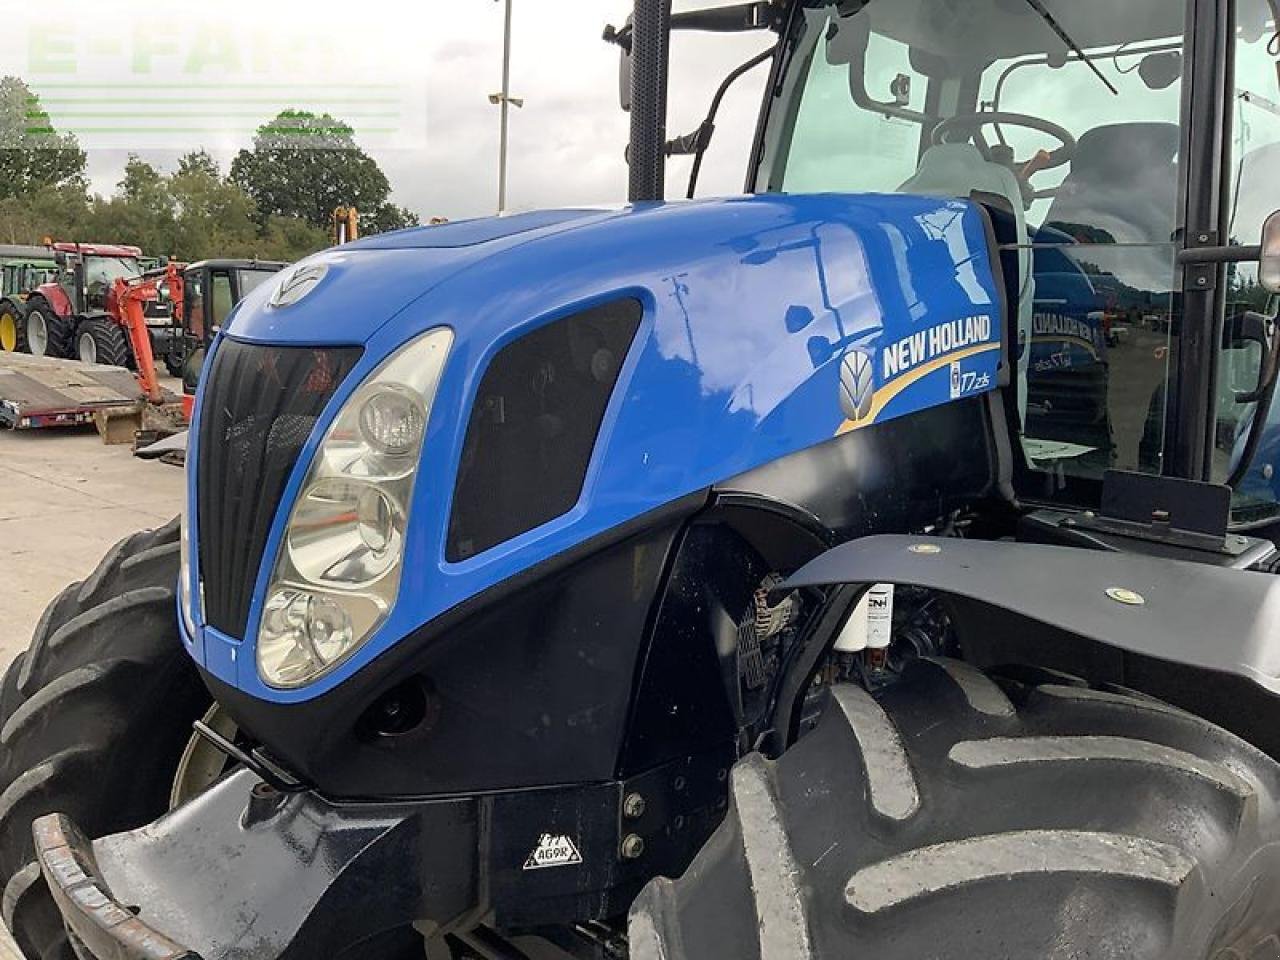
302, 165
387, 217
213, 218
32, 153
199, 161
141, 211
61, 212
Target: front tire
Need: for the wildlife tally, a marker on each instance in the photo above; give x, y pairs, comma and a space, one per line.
953, 817
96, 715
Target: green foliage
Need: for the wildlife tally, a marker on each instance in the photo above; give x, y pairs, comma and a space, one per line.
47, 211
303, 165
199, 161
187, 215
32, 154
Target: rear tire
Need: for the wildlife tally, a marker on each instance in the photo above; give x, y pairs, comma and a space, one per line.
951, 817
13, 327
95, 715
102, 340
47, 334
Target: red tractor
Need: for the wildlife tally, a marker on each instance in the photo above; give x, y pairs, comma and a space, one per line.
72, 315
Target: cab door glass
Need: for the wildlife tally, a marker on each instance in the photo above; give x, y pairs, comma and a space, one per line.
1097, 321
1249, 462
221, 299
988, 98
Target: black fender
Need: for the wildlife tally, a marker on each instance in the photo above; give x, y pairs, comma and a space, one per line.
1206, 638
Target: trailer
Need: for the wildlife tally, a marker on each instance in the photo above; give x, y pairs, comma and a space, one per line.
48, 392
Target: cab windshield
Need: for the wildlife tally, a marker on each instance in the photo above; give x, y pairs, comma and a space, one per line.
1063, 114
106, 270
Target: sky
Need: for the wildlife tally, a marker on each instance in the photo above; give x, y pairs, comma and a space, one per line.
412, 77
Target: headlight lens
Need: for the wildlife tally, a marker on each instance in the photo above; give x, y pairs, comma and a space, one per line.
392, 420
337, 574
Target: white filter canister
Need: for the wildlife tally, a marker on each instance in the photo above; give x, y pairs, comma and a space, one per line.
879, 601
870, 624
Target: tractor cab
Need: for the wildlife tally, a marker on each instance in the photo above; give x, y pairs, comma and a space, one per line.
213, 288
1071, 123
87, 273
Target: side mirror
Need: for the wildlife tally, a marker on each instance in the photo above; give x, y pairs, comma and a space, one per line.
623, 39
1269, 254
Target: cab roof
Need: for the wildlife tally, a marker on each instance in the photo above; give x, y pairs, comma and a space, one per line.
96, 249
234, 264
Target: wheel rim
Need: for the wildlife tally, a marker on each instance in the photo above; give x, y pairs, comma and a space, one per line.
202, 764
37, 333
8, 332
88, 348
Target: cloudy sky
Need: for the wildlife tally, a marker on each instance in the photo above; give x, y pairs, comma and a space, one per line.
412, 77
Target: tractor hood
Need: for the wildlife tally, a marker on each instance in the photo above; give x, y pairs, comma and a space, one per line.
344, 295
764, 325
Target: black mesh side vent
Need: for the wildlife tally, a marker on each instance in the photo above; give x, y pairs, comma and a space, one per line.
259, 408
534, 425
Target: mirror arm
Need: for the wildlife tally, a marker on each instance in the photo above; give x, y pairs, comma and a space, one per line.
738, 18
1236, 253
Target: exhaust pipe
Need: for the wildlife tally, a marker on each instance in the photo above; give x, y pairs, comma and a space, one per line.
650, 48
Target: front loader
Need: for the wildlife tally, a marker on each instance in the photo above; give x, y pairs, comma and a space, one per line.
815, 573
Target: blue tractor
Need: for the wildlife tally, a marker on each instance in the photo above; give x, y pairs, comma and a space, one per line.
722, 578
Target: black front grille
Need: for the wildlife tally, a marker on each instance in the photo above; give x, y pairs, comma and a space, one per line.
260, 406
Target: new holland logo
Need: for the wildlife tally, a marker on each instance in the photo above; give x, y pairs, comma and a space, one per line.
553, 850
297, 283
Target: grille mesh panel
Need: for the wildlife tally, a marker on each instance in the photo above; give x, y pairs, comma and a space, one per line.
259, 408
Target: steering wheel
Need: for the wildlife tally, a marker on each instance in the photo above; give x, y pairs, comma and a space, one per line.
965, 126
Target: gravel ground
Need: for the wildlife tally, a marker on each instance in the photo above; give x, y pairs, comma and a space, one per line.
65, 499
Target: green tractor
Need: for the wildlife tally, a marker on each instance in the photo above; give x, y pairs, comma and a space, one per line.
22, 269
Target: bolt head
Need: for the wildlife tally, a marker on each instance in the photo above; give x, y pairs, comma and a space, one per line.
1126, 596
632, 846
633, 806
927, 549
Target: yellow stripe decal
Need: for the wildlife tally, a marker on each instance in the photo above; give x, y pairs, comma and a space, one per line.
885, 394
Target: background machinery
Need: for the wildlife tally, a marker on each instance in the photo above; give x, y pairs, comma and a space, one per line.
725, 578
22, 269
344, 225
175, 312
70, 315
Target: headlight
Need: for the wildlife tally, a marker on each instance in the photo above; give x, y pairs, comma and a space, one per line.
337, 573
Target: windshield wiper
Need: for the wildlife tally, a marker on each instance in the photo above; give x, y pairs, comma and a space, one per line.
1065, 37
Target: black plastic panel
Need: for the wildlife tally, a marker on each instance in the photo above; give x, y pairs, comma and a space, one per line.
528, 684
259, 408
534, 424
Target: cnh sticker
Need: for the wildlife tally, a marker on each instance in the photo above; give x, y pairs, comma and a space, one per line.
553, 850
